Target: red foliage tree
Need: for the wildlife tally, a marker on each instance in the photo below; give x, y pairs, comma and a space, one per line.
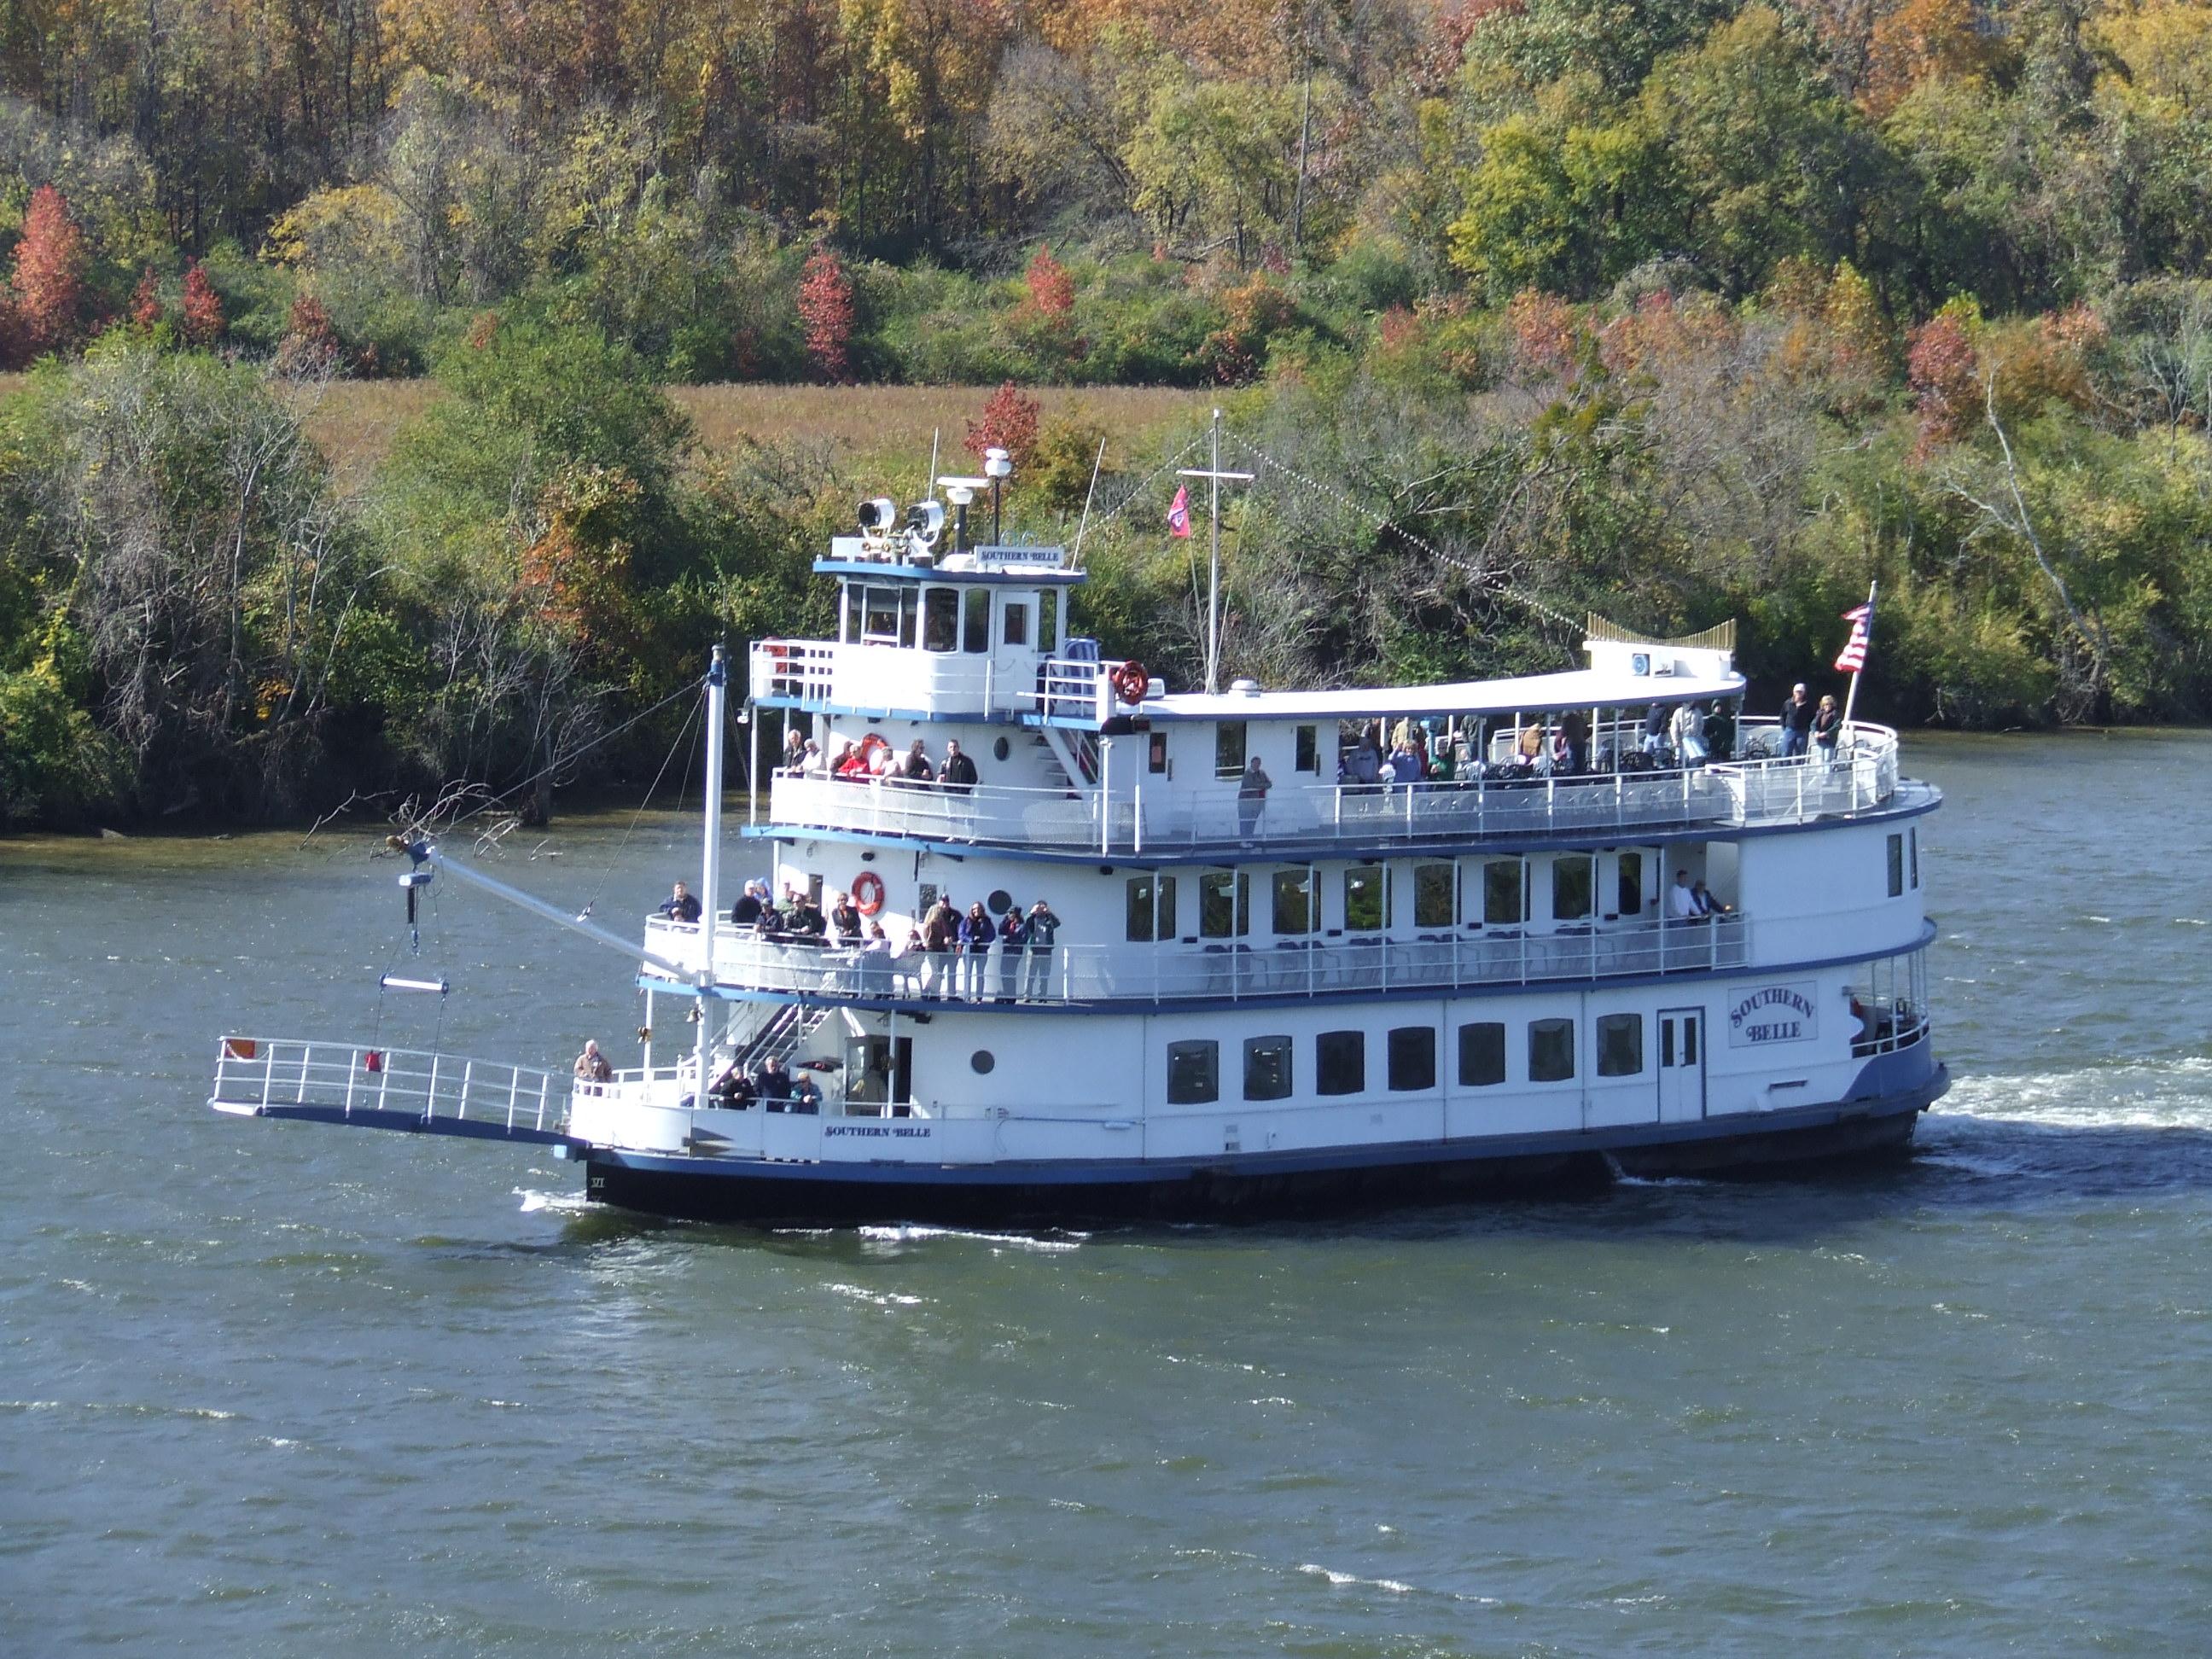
1052, 290
49, 261
1009, 422
202, 307
825, 311
310, 345
1946, 376
146, 302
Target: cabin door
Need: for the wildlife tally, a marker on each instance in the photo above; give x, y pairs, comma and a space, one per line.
1681, 1065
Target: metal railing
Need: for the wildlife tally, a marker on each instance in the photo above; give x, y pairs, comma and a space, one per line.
1226, 969
1153, 816
1887, 1025
254, 1075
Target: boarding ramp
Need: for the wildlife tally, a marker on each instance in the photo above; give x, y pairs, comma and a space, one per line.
379, 1088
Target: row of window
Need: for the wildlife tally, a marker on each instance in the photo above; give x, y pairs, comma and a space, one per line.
1496, 892
889, 614
1409, 1059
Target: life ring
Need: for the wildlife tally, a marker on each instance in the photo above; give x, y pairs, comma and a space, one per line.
874, 743
1130, 682
868, 892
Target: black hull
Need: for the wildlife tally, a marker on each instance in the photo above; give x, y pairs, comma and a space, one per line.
785, 1195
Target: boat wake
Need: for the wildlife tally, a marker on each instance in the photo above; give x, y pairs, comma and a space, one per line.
2172, 1094
915, 1232
2139, 1124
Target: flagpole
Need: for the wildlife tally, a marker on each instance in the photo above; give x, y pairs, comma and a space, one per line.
1084, 523
1851, 695
1213, 567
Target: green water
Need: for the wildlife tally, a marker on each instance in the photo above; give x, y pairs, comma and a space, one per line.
272, 1389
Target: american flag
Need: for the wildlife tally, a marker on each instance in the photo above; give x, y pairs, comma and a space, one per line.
1179, 511
1852, 658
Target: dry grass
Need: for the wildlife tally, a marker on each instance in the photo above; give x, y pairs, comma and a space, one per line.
868, 430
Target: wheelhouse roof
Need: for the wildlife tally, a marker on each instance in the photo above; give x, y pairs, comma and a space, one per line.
1580, 687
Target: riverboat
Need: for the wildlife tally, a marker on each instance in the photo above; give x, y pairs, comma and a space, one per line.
1299, 951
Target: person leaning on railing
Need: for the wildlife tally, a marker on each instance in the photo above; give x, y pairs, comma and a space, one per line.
681, 905
1040, 928
592, 1066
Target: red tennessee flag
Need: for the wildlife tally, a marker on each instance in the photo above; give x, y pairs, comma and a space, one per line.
1179, 511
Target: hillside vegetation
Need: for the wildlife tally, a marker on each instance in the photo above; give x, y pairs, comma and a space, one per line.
1517, 307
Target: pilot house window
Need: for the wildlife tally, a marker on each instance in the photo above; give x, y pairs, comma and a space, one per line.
1229, 748
941, 619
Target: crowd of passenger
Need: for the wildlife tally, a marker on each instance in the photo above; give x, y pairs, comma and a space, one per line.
874, 760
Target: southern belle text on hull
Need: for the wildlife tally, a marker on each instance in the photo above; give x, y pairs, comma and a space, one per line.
1023, 935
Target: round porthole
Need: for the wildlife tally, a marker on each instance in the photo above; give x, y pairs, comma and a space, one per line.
981, 1060
1001, 749
1001, 902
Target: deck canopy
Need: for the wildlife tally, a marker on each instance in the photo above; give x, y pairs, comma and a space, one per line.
1580, 687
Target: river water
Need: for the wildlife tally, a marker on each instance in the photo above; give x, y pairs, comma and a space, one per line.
276, 1388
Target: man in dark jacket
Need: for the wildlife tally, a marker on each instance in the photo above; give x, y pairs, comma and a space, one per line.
682, 905
1042, 928
1797, 720
958, 774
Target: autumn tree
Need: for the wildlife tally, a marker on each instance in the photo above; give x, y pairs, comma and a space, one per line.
49, 263
203, 309
1009, 422
825, 311
146, 311
310, 345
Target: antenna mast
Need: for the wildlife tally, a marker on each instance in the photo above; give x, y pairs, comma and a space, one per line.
1215, 478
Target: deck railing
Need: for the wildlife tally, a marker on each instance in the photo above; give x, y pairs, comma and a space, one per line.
1147, 814
1225, 969
260, 1074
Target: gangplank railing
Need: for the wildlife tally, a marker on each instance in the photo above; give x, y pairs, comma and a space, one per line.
279, 1076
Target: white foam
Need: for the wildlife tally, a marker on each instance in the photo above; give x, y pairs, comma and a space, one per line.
564, 1203
1340, 1579
2171, 1094
914, 1232
878, 1299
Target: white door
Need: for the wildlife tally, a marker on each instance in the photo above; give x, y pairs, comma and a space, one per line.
1681, 1065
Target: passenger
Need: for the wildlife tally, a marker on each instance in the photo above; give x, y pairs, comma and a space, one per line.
1708, 905
1252, 799
681, 905
848, 759
794, 749
1687, 728
774, 1085
1014, 936
975, 935
916, 768
746, 913
1529, 747
592, 1066
1574, 734
1365, 766
940, 933
1405, 764
881, 764
802, 917
1041, 927
770, 924
875, 960
958, 773
806, 1094
1655, 729
1682, 900
1797, 720
732, 1090
1720, 732
810, 762
845, 917
1827, 727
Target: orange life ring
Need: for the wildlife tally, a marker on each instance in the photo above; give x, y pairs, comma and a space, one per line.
874, 741
868, 892
1130, 682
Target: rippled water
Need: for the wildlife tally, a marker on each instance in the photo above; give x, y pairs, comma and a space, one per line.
271, 1388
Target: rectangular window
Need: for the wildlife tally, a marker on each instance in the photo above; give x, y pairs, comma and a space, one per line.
1551, 1050
1912, 853
910, 615
1628, 894
1194, 1072
1151, 909
1309, 749
975, 625
880, 614
1481, 1054
1620, 1045
1225, 904
1433, 896
1366, 898
1341, 1063
1017, 613
1896, 866
1048, 620
941, 619
1155, 752
1413, 1057
1229, 748
852, 605
1504, 889
1268, 1068
1571, 887
1294, 905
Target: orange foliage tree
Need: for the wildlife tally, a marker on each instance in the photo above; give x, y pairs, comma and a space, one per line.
825, 313
1009, 422
202, 307
49, 261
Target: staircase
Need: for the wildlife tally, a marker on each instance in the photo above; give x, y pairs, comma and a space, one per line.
781, 1035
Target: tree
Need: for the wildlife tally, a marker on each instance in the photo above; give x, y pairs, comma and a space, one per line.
310, 345
50, 262
146, 303
202, 307
825, 311
1009, 422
